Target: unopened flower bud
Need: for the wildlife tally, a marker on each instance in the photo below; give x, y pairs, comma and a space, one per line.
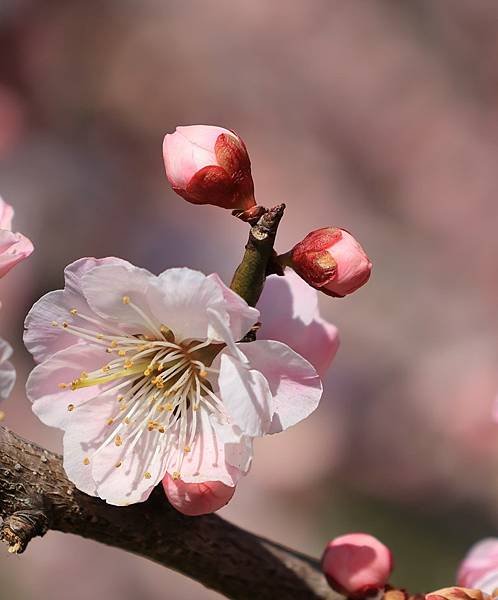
209, 165
195, 499
479, 568
457, 593
357, 564
332, 261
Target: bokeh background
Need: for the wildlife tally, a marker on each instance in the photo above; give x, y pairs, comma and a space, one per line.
381, 117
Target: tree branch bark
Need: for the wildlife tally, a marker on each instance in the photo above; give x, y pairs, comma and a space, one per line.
35, 496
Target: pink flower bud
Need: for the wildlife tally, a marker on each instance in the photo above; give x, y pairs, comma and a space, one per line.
332, 261
209, 165
357, 564
195, 499
479, 568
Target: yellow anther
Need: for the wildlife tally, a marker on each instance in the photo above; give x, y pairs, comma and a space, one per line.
118, 441
147, 475
161, 429
75, 383
167, 333
126, 421
105, 369
175, 475
147, 372
86, 460
73, 311
63, 386
123, 407
128, 364
55, 324
100, 336
202, 373
2, 415
114, 344
187, 449
195, 407
168, 407
65, 325
121, 352
110, 421
70, 407
84, 375
160, 367
119, 397
125, 299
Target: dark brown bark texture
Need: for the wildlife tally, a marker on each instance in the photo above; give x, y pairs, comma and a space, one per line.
35, 496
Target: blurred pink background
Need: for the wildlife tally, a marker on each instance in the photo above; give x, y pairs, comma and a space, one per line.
380, 117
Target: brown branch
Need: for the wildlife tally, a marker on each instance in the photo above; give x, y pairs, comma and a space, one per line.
249, 278
35, 496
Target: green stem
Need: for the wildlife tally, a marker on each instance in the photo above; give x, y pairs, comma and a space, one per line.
249, 278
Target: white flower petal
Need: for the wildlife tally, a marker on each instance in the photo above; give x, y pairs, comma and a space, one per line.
246, 395
51, 403
41, 338
242, 316
295, 385
207, 460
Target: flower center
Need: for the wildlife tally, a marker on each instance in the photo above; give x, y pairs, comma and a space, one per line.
160, 384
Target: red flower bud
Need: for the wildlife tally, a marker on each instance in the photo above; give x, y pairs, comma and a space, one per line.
332, 261
357, 564
209, 165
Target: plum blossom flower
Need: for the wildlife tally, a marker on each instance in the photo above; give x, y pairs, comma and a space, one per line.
14, 247
332, 261
479, 568
209, 165
357, 564
147, 379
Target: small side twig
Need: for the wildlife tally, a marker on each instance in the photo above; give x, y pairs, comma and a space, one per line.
249, 278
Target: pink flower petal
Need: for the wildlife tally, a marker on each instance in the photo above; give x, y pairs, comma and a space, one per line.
6, 215
479, 568
57, 406
14, 248
41, 338
207, 460
85, 434
289, 314
195, 499
295, 385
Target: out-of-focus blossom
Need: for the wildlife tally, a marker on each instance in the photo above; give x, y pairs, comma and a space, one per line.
458, 593
7, 371
14, 247
194, 499
479, 568
357, 564
144, 375
209, 165
332, 261
290, 314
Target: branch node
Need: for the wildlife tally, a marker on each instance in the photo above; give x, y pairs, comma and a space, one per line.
18, 529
